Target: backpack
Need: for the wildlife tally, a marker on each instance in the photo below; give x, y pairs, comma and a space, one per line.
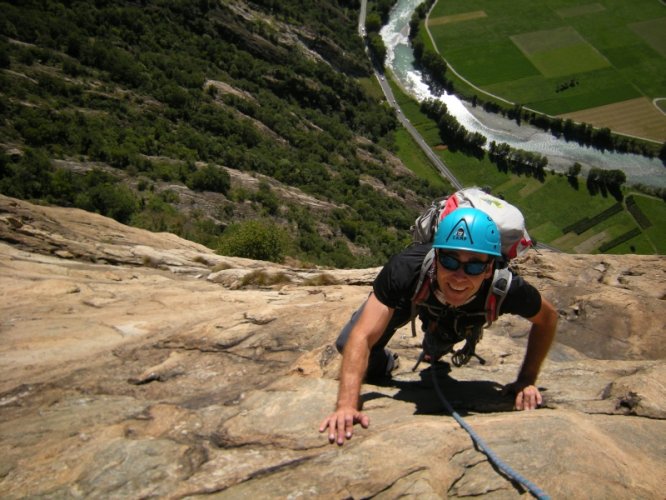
509, 220
514, 240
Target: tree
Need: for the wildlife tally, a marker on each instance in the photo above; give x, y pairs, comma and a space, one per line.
606, 181
373, 23
384, 8
377, 49
112, 200
573, 173
418, 47
5, 61
174, 96
614, 180
574, 170
255, 239
433, 63
32, 175
603, 139
569, 129
267, 198
210, 178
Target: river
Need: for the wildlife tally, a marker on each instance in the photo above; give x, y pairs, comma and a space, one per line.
560, 153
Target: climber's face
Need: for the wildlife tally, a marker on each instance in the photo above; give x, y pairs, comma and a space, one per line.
460, 274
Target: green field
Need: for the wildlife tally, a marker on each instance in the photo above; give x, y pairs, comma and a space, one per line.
549, 206
415, 159
655, 210
526, 51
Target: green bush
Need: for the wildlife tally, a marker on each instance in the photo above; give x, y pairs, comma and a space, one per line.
267, 198
29, 178
210, 178
159, 216
260, 240
112, 200
141, 106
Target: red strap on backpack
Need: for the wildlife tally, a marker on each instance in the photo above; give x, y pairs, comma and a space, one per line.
491, 308
451, 204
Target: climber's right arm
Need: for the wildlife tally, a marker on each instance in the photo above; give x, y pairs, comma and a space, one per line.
366, 332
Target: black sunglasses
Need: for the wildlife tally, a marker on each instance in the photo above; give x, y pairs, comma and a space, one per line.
472, 267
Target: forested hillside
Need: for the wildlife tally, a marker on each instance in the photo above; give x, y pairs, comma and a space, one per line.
226, 122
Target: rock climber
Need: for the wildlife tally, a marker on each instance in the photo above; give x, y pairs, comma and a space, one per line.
467, 250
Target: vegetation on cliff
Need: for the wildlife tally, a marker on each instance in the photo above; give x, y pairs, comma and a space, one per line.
134, 96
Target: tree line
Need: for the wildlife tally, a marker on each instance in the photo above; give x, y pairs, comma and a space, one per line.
454, 135
457, 138
377, 15
606, 182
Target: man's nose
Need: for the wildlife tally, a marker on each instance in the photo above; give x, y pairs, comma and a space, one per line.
460, 273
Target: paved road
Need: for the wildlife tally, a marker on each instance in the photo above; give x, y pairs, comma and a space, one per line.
388, 93
439, 164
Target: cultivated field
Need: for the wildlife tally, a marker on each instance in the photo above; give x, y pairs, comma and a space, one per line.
637, 117
562, 59
558, 211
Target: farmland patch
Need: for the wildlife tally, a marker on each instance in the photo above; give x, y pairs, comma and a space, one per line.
655, 210
591, 243
565, 58
486, 64
652, 32
456, 18
580, 10
569, 60
559, 52
638, 117
547, 40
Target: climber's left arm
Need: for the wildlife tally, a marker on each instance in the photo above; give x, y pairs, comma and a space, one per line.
541, 336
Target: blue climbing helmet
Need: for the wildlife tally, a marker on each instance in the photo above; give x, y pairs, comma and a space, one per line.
468, 229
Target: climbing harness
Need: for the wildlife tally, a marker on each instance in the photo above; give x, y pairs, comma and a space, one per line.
481, 446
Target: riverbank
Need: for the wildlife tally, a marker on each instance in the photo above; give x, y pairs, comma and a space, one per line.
560, 153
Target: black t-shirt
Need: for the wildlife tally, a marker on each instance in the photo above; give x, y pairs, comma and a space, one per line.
396, 283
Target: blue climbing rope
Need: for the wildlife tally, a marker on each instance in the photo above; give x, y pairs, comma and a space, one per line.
481, 445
